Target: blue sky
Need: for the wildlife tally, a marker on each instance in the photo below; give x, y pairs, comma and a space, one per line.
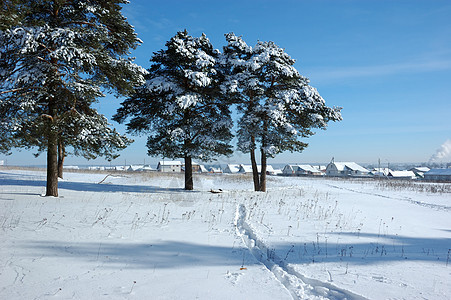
387, 63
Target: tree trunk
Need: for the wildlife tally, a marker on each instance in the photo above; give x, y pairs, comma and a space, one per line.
61, 156
254, 167
189, 185
52, 164
263, 172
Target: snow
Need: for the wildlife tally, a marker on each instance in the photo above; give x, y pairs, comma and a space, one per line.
141, 236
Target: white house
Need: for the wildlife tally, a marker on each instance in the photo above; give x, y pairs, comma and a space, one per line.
169, 166
401, 175
308, 170
203, 169
381, 172
419, 171
247, 169
301, 170
276, 172
215, 170
135, 168
290, 170
147, 168
346, 169
231, 168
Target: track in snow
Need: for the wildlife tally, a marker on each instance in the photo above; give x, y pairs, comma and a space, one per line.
297, 284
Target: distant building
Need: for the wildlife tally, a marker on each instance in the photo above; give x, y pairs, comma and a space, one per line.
215, 170
381, 172
147, 168
346, 169
276, 172
301, 170
232, 168
419, 171
438, 175
247, 169
169, 166
197, 168
98, 168
203, 169
135, 168
402, 175
65, 167
290, 170
2, 162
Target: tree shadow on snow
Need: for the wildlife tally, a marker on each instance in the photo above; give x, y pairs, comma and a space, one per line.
365, 248
160, 255
6, 179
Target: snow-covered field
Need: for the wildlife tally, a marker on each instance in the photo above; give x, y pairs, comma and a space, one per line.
143, 237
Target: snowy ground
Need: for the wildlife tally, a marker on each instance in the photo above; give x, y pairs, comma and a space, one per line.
143, 237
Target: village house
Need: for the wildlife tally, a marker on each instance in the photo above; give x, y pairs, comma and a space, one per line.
247, 169
380, 172
401, 175
215, 170
438, 175
197, 168
419, 171
232, 169
289, 170
301, 170
139, 168
346, 169
169, 166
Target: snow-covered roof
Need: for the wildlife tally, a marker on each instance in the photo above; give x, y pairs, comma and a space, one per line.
170, 163
402, 174
381, 171
248, 168
341, 166
308, 168
277, 172
290, 167
232, 168
135, 167
420, 169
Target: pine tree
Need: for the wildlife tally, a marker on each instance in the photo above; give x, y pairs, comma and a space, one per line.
278, 107
181, 106
56, 57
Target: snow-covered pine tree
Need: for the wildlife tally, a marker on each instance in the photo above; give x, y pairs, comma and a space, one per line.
278, 106
56, 57
181, 107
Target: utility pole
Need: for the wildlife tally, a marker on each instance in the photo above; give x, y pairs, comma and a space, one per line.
379, 161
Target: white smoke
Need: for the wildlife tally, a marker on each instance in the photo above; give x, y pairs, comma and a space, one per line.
443, 153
